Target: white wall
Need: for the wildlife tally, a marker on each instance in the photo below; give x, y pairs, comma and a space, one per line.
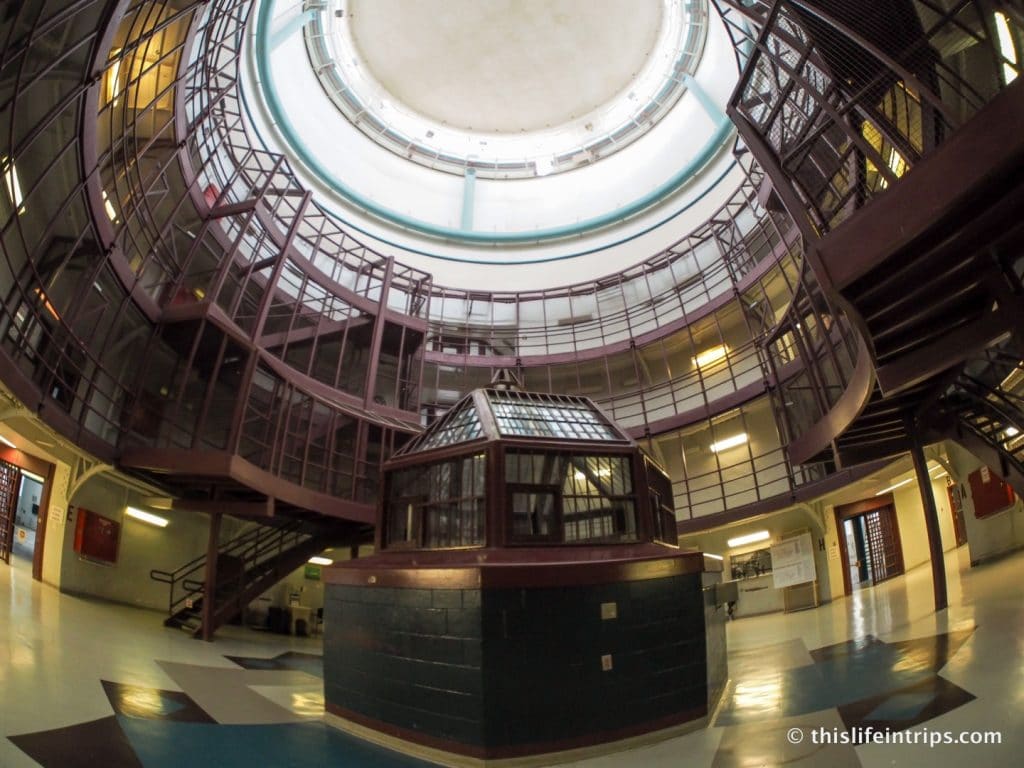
142, 548
780, 525
991, 536
910, 517
913, 534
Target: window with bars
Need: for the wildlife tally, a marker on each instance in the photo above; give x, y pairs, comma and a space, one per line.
441, 505
570, 498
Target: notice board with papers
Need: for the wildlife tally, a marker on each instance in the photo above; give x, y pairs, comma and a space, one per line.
793, 561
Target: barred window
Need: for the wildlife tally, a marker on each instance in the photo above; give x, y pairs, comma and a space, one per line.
441, 505
570, 498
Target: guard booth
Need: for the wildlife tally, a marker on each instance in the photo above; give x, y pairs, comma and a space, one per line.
527, 594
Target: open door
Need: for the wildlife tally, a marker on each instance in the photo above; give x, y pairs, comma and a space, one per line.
10, 477
883, 543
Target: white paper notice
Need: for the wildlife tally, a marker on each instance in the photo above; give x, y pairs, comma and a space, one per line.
793, 561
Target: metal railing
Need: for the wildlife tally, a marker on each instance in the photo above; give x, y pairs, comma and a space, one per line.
844, 100
247, 552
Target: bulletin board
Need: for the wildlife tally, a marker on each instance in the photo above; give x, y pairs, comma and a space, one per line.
793, 561
96, 537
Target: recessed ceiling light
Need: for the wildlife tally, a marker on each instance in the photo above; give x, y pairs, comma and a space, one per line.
894, 487
749, 538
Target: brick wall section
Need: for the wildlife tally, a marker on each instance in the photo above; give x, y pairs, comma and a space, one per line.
418, 659
717, 652
409, 657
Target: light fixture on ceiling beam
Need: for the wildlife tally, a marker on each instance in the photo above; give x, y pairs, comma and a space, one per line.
146, 517
710, 356
749, 538
729, 442
895, 486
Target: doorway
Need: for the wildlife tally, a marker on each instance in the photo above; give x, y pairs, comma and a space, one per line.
871, 551
25, 485
26, 515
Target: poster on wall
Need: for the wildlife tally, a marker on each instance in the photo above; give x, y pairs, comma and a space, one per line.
793, 561
96, 537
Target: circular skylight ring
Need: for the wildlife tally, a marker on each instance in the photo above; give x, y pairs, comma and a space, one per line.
366, 104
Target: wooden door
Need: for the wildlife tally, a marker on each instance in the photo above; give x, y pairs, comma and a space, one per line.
956, 507
10, 477
883, 544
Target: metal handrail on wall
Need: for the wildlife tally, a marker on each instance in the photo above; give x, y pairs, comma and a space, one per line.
252, 548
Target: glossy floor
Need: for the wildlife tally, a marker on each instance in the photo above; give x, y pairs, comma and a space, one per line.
85, 683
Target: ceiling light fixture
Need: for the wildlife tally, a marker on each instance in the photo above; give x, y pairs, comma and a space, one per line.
749, 538
321, 560
146, 517
1011, 431
710, 356
729, 442
10, 174
894, 487
1006, 47
7, 442
713, 557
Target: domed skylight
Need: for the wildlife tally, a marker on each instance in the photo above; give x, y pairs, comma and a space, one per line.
512, 88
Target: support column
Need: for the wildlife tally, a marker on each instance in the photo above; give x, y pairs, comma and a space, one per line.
210, 586
931, 519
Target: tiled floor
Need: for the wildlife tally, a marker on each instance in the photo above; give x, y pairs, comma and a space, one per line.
91, 684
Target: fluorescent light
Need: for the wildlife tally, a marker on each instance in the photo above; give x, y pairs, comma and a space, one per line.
1006, 47
710, 356
46, 303
321, 561
108, 206
1011, 431
13, 183
113, 79
894, 487
7, 442
713, 557
32, 476
729, 442
749, 538
944, 474
896, 163
936, 467
146, 517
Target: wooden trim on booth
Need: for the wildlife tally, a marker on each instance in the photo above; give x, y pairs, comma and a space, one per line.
459, 751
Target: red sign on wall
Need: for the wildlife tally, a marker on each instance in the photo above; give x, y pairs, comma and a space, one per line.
96, 537
990, 494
